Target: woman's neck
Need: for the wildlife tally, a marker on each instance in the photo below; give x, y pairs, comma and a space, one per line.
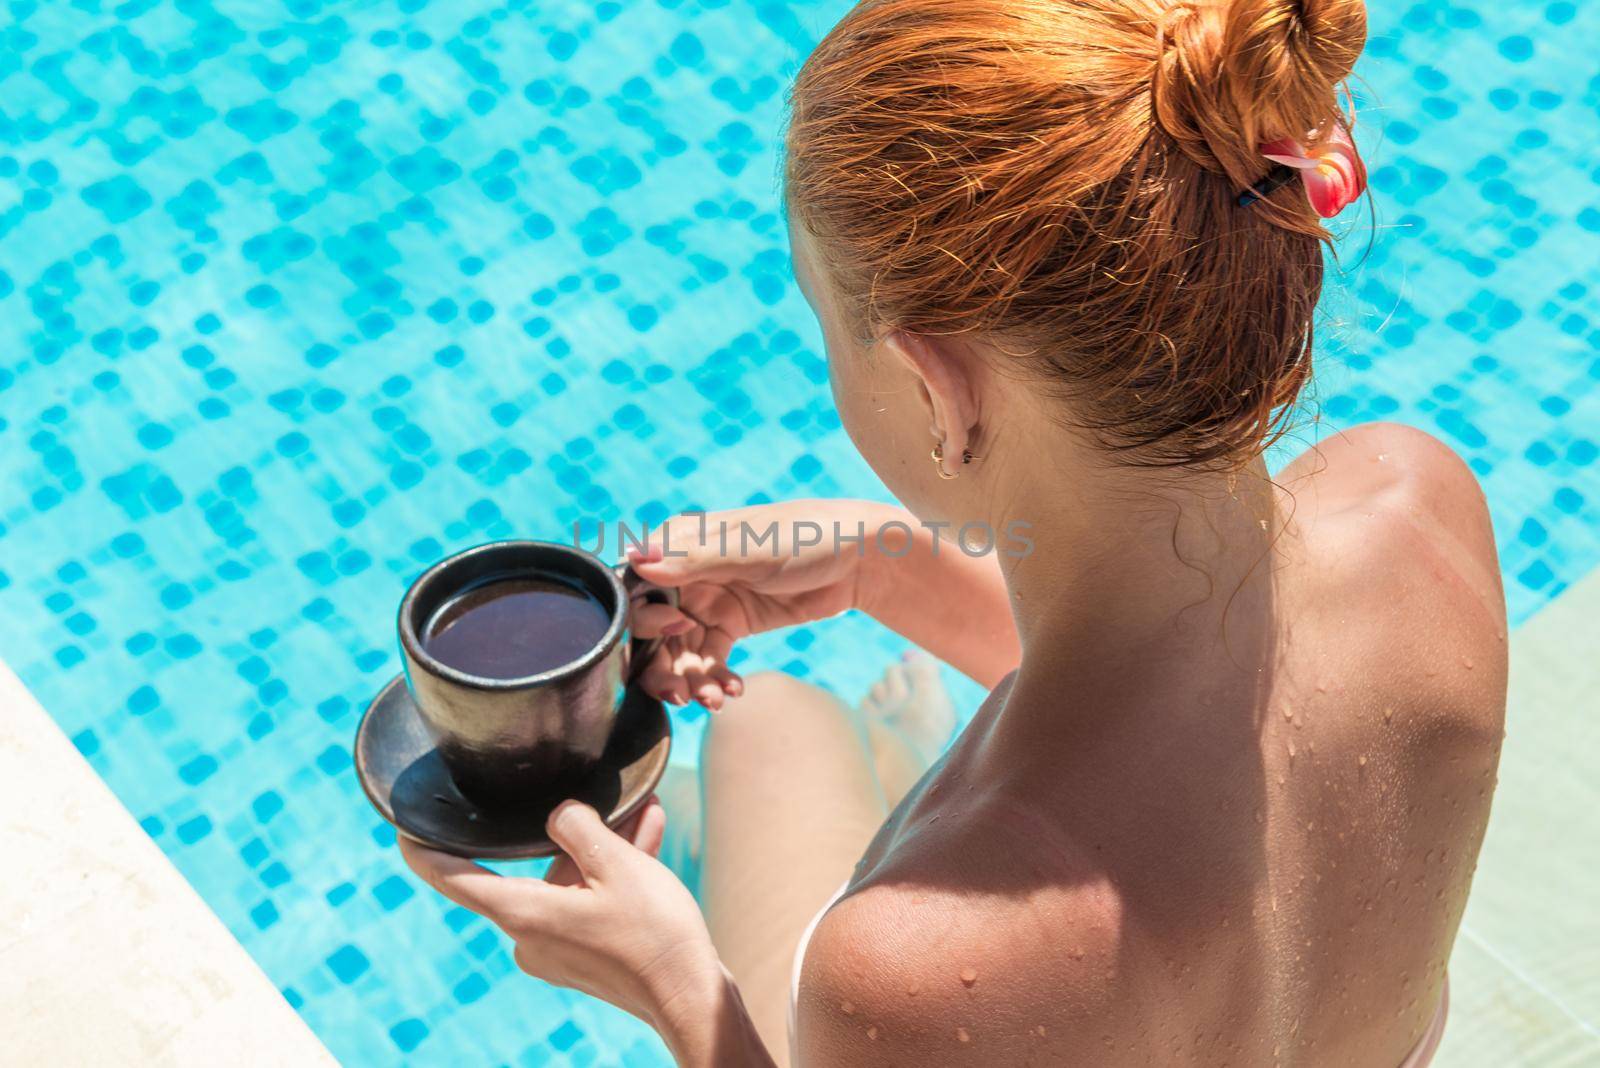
1134, 566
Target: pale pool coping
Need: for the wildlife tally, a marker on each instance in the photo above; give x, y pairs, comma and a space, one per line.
1525, 976
107, 955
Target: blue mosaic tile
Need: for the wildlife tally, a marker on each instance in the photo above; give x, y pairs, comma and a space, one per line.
296, 298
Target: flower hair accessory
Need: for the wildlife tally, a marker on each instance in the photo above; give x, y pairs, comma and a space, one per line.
1333, 173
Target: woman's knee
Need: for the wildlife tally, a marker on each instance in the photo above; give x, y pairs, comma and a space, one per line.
773, 707
768, 688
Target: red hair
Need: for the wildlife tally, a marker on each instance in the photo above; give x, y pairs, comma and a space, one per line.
1062, 177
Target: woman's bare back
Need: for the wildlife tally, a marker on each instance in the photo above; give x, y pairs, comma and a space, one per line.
1257, 863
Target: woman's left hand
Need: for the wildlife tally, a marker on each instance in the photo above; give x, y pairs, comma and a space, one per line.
608, 918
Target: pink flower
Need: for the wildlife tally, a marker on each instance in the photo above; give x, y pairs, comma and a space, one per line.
1332, 171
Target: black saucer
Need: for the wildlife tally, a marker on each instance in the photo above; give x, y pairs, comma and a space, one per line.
407, 782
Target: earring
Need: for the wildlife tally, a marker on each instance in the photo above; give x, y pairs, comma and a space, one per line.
938, 460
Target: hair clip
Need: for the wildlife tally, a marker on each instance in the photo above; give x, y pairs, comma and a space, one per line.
1332, 171
1279, 176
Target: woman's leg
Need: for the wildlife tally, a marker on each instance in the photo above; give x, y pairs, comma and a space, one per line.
791, 802
895, 763
909, 719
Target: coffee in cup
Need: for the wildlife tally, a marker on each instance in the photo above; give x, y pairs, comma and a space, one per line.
518, 654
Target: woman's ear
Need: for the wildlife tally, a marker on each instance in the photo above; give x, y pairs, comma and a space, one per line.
948, 389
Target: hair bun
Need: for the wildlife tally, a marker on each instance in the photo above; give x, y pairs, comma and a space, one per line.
1234, 74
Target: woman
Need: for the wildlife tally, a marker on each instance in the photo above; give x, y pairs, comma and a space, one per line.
1223, 803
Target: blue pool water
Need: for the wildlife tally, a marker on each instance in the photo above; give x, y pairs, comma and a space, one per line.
297, 296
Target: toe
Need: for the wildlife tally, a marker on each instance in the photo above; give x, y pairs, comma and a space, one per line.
879, 692
896, 683
922, 671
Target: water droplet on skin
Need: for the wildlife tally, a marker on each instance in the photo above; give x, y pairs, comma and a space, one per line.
1388, 714
847, 1008
969, 976
872, 1033
962, 1036
1466, 662
1039, 1030
914, 989
1362, 760
1288, 713
1291, 749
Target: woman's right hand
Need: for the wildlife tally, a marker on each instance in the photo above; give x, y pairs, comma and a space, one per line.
742, 572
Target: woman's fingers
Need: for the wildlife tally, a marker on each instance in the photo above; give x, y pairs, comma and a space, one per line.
706, 690
694, 666
661, 681
648, 828
695, 669
468, 884
694, 548
562, 872
650, 620
582, 835
645, 829
715, 650
706, 669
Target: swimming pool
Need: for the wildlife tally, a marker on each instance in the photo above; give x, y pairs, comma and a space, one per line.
296, 297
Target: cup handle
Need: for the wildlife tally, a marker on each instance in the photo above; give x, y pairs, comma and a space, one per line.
642, 649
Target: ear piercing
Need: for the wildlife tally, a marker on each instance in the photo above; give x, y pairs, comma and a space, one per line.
938, 460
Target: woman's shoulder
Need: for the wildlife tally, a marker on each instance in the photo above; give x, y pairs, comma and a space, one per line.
1386, 496
1399, 566
927, 964
1395, 467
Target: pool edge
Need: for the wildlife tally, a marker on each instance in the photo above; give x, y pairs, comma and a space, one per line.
107, 954
1518, 995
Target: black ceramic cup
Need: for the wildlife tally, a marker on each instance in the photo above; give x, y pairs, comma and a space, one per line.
506, 740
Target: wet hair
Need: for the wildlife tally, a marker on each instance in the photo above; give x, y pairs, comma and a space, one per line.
1062, 178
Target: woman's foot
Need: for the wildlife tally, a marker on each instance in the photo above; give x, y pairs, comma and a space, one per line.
911, 702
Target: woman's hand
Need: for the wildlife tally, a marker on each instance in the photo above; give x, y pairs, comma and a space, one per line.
608, 918
743, 572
